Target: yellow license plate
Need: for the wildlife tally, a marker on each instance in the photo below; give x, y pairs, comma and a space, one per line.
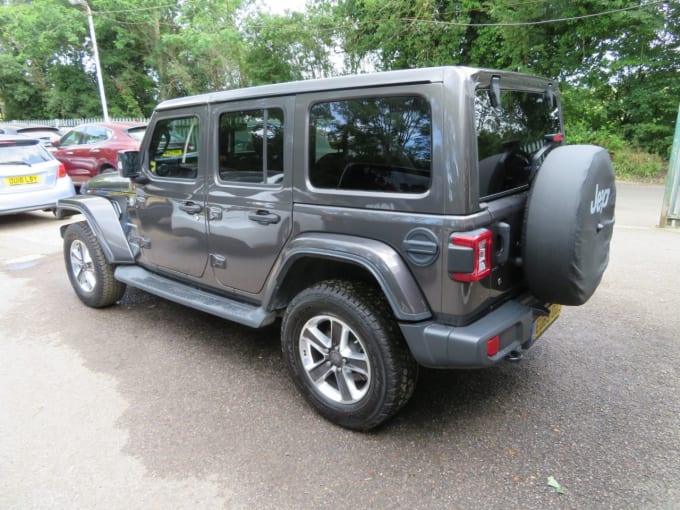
22, 179
172, 153
543, 322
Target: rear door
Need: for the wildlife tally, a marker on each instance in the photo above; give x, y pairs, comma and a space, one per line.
514, 131
249, 204
512, 140
170, 206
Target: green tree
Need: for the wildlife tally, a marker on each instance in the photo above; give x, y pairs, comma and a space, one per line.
619, 69
37, 40
288, 47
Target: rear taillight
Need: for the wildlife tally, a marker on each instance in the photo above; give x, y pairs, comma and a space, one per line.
473, 251
493, 346
61, 172
554, 138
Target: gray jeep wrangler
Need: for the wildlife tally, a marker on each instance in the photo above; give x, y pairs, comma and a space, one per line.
423, 217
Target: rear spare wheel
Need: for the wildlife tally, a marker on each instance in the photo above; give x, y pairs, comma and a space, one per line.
569, 223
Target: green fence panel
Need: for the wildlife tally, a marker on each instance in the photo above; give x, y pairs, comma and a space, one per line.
670, 209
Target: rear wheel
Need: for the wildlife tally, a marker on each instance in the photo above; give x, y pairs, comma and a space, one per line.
346, 355
90, 275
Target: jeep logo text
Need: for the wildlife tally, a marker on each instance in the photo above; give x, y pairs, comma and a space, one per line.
601, 199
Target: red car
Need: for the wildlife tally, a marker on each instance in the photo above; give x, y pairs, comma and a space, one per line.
92, 149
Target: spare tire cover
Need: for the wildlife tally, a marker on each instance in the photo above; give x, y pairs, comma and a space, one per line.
568, 225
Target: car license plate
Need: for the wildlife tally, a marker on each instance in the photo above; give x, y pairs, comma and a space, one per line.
22, 179
542, 323
172, 153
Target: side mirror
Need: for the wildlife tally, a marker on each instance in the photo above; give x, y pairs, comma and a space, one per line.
128, 164
56, 143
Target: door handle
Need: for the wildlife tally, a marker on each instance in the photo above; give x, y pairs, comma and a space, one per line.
191, 207
264, 217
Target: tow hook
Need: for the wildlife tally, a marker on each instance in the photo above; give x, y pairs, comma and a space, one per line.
514, 356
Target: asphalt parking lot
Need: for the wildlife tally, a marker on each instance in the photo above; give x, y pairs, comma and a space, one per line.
150, 405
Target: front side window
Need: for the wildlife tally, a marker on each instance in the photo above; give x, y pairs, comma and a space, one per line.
251, 146
376, 144
73, 137
508, 136
174, 149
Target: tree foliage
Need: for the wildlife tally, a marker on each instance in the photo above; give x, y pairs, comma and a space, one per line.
619, 70
617, 60
284, 48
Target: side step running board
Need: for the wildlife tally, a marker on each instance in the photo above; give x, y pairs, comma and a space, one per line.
248, 315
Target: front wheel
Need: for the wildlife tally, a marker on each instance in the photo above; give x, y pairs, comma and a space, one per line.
346, 354
90, 274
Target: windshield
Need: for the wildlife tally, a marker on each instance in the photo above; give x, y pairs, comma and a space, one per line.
509, 135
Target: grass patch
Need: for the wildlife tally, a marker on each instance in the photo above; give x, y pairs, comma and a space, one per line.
630, 162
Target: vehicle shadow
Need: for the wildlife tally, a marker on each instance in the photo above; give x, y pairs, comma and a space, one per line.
204, 395
443, 399
197, 396
25, 219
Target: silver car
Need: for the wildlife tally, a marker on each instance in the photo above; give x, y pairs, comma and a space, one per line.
30, 177
46, 134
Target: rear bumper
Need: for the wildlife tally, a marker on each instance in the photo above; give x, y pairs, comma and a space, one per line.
34, 200
439, 345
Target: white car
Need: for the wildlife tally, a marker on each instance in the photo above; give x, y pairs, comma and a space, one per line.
31, 178
46, 134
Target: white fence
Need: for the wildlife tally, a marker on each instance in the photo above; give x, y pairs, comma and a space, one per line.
68, 123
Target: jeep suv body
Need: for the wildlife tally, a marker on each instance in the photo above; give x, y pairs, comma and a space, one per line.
429, 216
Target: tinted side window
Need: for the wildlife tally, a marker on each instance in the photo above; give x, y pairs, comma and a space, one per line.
509, 135
174, 149
251, 146
380, 144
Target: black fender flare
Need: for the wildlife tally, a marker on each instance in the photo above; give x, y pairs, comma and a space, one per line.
103, 217
383, 262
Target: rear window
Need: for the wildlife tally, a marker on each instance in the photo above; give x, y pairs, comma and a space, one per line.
377, 144
137, 133
251, 146
40, 132
27, 152
509, 135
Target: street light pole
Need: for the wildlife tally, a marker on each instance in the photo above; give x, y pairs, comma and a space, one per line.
100, 81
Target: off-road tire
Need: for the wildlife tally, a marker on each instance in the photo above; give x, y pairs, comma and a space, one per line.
90, 274
366, 314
